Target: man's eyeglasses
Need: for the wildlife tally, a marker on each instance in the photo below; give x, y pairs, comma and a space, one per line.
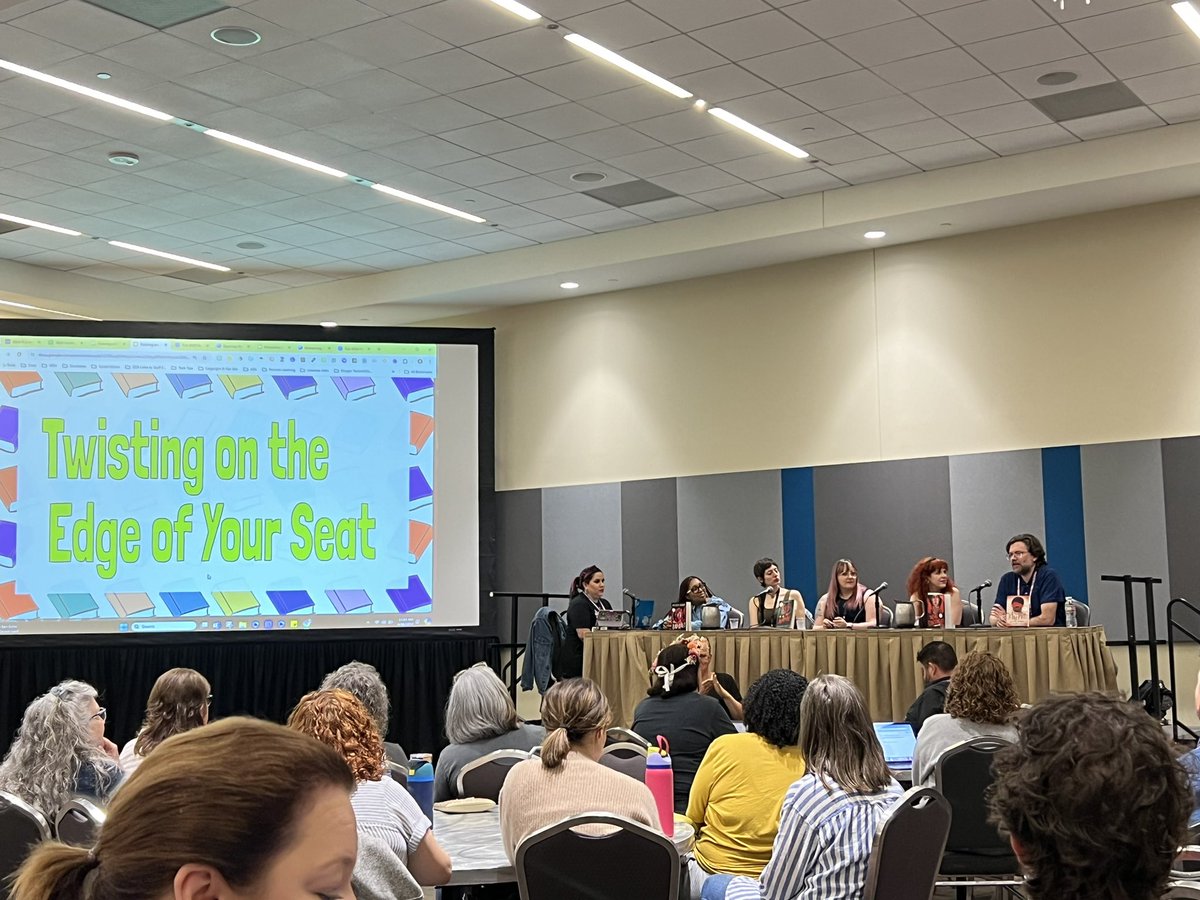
1017, 554
101, 714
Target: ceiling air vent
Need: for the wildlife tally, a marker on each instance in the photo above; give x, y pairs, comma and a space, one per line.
1088, 101
630, 192
160, 13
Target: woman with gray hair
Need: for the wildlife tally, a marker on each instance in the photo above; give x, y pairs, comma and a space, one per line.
480, 718
364, 682
60, 750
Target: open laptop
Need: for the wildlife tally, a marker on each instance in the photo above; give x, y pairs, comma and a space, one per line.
898, 743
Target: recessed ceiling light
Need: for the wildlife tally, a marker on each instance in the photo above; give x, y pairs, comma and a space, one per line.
251, 245
588, 177
1055, 78
236, 37
701, 104
329, 324
569, 285
874, 235
103, 76
124, 158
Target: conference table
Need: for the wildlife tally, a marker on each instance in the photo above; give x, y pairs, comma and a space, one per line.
881, 661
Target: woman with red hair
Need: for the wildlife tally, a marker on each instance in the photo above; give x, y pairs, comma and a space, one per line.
932, 591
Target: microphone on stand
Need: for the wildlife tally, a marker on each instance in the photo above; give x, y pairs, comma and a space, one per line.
875, 593
978, 592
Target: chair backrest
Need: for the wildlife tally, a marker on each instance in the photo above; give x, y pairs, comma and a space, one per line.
1083, 614
79, 822
625, 736
398, 772
885, 614
21, 828
908, 847
962, 774
625, 757
485, 776
970, 615
629, 861
1182, 890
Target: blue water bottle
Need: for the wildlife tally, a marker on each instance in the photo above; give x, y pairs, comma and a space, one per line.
420, 785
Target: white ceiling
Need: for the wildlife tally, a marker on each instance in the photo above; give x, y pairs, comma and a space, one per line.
468, 105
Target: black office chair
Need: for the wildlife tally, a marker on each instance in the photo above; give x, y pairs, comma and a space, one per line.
79, 822
624, 736
630, 860
21, 828
908, 847
397, 771
970, 615
625, 757
976, 853
485, 776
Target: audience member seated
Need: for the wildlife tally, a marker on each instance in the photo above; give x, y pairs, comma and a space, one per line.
237, 809
937, 660
60, 750
845, 604
741, 783
933, 592
1092, 800
382, 806
566, 780
720, 685
178, 702
829, 816
981, 702
362, 680
676, 710
480, 718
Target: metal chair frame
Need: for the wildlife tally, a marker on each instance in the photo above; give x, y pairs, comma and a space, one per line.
498, 757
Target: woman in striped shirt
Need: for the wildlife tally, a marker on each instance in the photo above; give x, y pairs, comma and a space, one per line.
830, 815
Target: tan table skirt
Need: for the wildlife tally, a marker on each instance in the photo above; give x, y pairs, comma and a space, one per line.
883, 662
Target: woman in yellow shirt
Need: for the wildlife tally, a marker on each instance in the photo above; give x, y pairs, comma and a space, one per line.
739, 788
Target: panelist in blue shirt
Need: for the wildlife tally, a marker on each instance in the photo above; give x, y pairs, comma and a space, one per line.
1031, 586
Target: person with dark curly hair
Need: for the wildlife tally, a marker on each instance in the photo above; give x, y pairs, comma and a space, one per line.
1092, 800
741, 783
382, 807
981, 702
178, 702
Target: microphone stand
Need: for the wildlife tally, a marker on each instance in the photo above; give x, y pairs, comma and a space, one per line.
978, 592
878, 621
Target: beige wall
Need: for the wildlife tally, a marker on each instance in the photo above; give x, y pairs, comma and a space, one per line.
1079, 330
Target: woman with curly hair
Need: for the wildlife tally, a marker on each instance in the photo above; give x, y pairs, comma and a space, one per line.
382, 807
933, 593
178, 702
741, 783
981, 702
675, 709
61, 750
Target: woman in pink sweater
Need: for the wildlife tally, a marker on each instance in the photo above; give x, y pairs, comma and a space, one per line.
567, 780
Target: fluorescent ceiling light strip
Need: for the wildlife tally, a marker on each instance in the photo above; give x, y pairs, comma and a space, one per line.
278, 154
1189, 14
631, 67
42, 309
87, 91
35, 224
519, 8
421, 201
755, 131
183, 259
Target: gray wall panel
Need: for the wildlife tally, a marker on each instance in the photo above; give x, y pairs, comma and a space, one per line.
518, 554
992, 497
581, 526
1125, 530
650, 540
885, 516
726, 522
1181, 488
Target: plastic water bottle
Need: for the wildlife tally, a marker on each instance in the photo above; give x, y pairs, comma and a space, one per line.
660, 778
420, 785
1072, 619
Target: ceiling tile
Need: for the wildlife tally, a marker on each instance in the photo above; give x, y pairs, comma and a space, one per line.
673, 56
724, 83
491, 137
314, 19
931, 70
390, 260
463, 21
81, 201
508, 98
1005, 118
440, 114
660, 161
16, 154
924, 7
610, 220
843, 90
526, 188
198, 33
444, 250
46, 134
733, 196
829, 18
955, 153
692, 181
563, 9
524, 51
1137, 118
1089, 69
131, 190
427, 152
543, 157
687, 15
568, 205
81, 25
371, 131
787, 67
1162, 86
808, 129
610, 142
563, 177
399, 238
46, 51
880, 113
386, 43
496, 241
989, 19
311, 63
240, 83
769, 106
878, 168
670, 208
476, 172
583, 79
1184, 109
764, 165
562, 121
1127, 26
165, 55
681, 126
975, 93
1027, 48
720, 148
454, 70
890, 42
642, 101
619, 26
844, 149
916, 134
1148, 57
201, 232
757, 35
351, 224
548, 232
516, 216
1037, 138
378, 91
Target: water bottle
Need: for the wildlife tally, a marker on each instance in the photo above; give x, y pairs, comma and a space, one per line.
1072, 619
660, 778
420, 785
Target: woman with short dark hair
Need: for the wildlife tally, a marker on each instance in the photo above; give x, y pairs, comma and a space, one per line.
775, 606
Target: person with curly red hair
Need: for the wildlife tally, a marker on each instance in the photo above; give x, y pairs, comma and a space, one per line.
382, 806
933, 592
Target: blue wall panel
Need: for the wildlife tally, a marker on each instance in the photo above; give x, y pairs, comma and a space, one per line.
1062, 493
800, 533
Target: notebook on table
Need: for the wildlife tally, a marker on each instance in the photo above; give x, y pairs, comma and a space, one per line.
898, 743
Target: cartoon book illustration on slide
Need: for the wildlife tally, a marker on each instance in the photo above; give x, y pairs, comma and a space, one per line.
420, 536
242, 386
184, 603
412, 389
190, 385
8, 488
13, 604
80, 384
289, 602
136, 384
295, 387
420, 430
128, 604
354, 387
349, 600
236, 603
411, 598
75, 606
9, 422
8, 544
18, 384
420, 492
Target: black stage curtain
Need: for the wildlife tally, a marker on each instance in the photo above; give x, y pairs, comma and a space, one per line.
261, 678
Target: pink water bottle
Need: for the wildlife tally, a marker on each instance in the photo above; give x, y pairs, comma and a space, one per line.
660, 778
